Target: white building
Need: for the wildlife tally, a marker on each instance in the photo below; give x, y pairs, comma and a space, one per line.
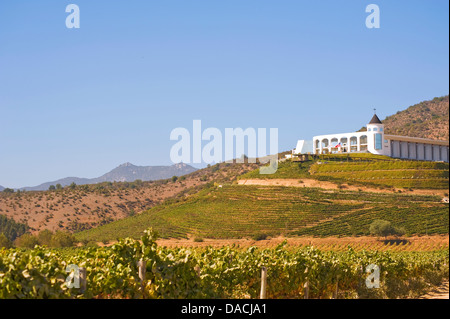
376, 142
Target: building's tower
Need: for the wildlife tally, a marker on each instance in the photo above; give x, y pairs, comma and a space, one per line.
375, 136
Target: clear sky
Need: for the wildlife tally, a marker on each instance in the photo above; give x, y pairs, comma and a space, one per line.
79, 102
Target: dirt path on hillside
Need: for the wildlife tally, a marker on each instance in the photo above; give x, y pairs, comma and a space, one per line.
441, 292
414, 243
329, 185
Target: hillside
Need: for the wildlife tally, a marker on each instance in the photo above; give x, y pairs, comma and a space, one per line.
87, 206
123, 173
239, 211
428, 119
1, 188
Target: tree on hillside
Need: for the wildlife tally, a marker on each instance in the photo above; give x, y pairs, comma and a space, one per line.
58, 186
45, 237
26, 241
4, 241
62, 239
52, 188
8, 190
383, 228
11, 229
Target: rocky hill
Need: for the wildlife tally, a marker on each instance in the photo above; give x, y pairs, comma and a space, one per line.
427, 119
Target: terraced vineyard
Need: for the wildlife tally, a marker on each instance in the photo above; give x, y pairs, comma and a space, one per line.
237, 211
365, 170
286, 169
395, 173
357, 223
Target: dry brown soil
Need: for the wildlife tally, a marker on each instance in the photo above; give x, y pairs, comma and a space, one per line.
58, 210
332, 186
416, 243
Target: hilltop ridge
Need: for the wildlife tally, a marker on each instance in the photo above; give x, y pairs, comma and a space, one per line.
427, 119
125, 172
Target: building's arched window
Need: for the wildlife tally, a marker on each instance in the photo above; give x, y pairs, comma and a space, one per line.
363, 139
325, 142
375, 129
363, 142
369, 129
333, 143
353, 144
344, 144
317, 143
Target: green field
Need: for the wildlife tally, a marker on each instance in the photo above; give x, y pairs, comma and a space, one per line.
240, 211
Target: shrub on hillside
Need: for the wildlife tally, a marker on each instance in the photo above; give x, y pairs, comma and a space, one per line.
384, 228
91, 244
260, 236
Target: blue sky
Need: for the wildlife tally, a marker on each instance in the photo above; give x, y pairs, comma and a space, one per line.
79, 102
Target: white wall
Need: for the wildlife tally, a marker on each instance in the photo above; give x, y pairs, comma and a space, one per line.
303, 147
418, 151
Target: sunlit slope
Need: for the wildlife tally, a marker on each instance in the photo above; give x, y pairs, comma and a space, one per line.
236, 211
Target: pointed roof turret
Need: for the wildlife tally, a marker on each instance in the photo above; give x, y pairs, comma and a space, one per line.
375, 120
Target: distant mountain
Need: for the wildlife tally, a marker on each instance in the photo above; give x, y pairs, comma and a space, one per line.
1, 188
123, 173
63, 181
128, 172
427, 119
